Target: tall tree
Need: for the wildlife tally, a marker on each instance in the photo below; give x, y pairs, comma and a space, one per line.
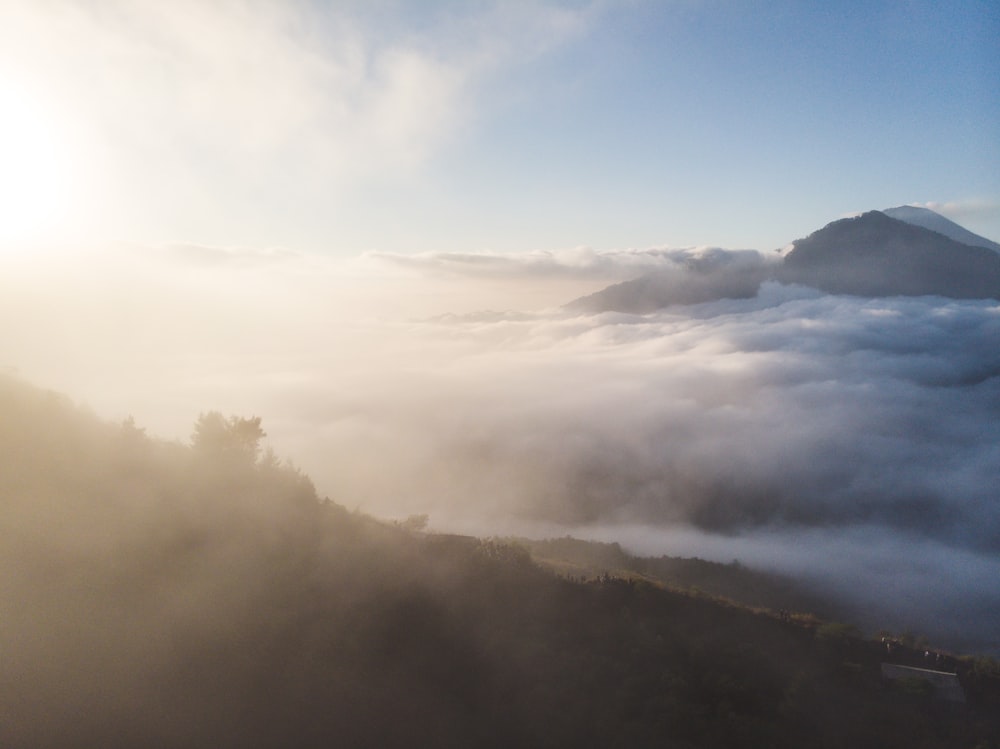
230, 440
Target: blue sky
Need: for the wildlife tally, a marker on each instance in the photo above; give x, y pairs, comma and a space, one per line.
503, 126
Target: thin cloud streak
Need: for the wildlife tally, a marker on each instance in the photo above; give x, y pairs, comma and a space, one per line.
579, 262
960, 210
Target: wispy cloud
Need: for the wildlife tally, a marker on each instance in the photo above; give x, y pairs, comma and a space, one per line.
242, 79
580, 262
981, 208
187, 106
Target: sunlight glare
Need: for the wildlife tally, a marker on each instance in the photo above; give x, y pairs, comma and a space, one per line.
34, 169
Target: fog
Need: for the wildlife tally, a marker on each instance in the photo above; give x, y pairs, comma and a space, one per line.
849, 441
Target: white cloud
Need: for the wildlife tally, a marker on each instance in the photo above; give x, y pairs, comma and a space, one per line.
191, 112
983, 208
241, 80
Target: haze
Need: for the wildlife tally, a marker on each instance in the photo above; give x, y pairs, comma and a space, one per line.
361, 221
842, 438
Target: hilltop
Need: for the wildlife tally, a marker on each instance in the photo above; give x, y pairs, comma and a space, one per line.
876, 255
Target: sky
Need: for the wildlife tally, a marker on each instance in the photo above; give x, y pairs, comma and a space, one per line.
349, 127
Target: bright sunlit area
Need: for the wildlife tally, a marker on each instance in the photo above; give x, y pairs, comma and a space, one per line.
38, 178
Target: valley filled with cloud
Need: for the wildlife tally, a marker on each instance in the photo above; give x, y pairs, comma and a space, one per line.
849, 441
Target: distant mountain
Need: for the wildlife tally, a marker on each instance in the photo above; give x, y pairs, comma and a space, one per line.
904, 251
928, 219
877, 255
713, 274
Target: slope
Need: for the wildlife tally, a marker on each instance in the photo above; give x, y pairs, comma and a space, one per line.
156, 596
705, 277
875, 255
929, 219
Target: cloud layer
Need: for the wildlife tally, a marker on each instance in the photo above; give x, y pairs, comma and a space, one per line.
834, 437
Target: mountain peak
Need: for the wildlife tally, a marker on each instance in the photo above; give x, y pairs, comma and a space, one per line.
875, 254
924, 217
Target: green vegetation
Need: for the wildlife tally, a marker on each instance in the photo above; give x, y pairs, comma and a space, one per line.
155, 594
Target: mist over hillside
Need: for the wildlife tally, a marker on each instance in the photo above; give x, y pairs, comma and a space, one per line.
851, 441
202, 594
694, 276
367, 367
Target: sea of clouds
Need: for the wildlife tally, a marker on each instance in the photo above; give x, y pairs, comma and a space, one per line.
847, 441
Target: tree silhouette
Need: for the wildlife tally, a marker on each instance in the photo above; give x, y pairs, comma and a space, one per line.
234, 440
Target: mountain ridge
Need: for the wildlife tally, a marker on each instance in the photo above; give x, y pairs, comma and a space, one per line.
876, 255
913, 252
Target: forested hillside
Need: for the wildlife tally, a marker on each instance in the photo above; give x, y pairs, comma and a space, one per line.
202, 595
